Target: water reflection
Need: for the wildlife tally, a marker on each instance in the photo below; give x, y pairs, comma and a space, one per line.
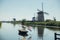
40, 32
54, 29
36, 33
24, 38
30, 38
13, 23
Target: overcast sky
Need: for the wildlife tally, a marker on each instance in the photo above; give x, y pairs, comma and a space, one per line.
25, 9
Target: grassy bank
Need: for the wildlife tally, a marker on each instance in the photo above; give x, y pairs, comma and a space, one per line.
0, 24
51, 23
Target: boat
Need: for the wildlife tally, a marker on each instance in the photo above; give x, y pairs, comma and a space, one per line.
23, 32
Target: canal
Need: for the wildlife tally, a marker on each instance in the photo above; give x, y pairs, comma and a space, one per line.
10, 31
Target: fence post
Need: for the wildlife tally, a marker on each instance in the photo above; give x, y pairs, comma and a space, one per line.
55, 36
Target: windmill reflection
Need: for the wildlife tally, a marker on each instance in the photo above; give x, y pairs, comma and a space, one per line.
40, 32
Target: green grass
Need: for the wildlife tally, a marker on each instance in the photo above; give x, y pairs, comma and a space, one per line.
51, 23
0, 24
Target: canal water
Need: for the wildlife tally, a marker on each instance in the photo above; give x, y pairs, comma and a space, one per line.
10, 31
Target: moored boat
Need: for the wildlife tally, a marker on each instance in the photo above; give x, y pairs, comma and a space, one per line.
23, 32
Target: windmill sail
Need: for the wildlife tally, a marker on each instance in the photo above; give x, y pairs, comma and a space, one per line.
42, 7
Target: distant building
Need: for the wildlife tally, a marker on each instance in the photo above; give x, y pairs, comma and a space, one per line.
33, 19
54, 19
40, 16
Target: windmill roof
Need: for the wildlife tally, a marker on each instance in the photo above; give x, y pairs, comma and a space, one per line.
40, 12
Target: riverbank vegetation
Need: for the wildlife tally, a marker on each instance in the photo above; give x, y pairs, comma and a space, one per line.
0, 24
47, 23
25, 22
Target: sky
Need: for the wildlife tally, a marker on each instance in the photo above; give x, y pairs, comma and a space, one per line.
25, 9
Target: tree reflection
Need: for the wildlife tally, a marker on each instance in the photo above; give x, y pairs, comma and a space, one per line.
14, 24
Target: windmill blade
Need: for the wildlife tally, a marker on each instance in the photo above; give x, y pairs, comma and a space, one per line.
46, 13
38, 10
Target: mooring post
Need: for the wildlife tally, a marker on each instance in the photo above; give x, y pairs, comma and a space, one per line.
55, 36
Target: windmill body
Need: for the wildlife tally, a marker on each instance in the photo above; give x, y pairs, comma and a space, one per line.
40, 16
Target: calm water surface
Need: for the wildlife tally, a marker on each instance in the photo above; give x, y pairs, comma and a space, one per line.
10, 32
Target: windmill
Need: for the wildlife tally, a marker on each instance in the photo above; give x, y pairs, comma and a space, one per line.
54, 18
41, 14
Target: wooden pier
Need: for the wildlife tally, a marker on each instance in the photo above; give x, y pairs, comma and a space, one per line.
57, 38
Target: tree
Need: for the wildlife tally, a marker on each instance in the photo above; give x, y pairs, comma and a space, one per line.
14, 19
48, 20
23, 21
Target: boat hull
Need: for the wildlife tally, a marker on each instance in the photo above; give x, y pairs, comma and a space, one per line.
23, 33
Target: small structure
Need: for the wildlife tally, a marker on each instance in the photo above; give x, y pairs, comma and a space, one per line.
54, 18
33, 19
